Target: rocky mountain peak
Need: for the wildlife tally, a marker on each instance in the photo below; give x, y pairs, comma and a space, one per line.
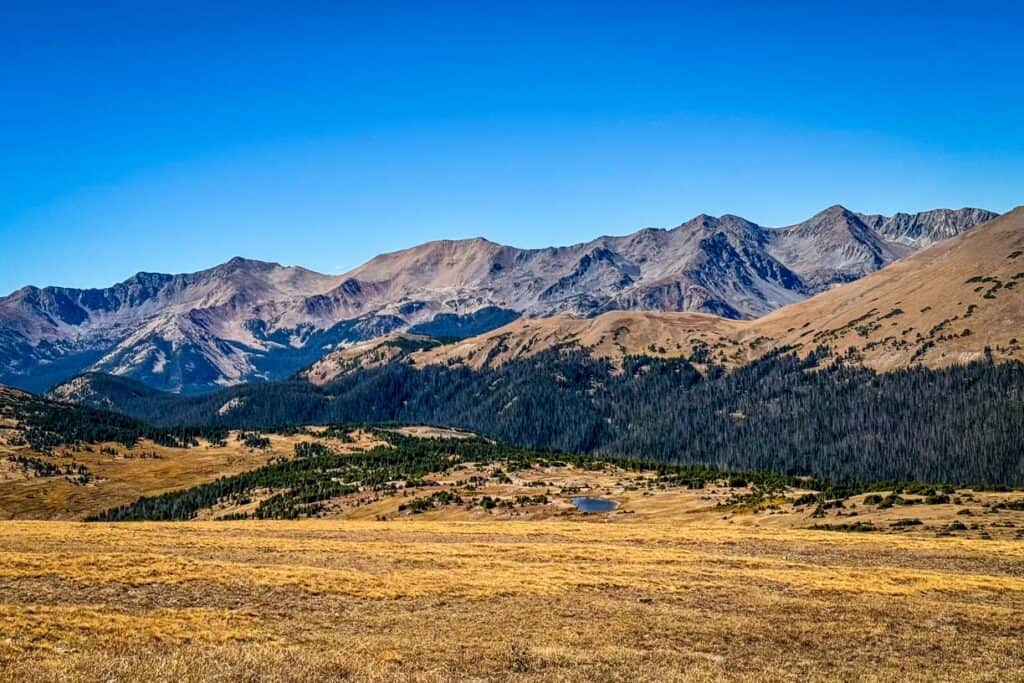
700, 221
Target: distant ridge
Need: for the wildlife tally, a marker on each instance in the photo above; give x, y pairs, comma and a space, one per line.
249, 320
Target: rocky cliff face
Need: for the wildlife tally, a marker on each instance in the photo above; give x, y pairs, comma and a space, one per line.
920, 230
249, 320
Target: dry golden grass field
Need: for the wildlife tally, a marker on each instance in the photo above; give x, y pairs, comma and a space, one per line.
724, 582
548, 600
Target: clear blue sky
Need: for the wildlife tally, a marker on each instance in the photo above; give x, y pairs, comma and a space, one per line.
140, 137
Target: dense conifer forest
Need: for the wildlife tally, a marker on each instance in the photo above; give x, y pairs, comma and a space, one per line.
817, 416
44, 425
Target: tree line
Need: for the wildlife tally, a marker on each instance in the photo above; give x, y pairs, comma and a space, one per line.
817, 416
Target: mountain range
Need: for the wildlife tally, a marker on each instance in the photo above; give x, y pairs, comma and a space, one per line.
950, 304
248, 320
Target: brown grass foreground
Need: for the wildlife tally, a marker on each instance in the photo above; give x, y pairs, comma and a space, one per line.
500, 600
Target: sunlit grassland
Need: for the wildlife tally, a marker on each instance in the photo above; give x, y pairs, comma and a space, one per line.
539, 600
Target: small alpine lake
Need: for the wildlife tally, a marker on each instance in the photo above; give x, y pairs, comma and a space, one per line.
591, 504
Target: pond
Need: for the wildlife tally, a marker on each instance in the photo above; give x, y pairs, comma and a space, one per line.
588, 504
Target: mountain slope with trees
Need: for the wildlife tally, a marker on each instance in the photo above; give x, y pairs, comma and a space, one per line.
817, 415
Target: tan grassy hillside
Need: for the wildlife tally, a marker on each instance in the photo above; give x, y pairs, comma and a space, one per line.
612, 335
529, 601
370, 354
939, 307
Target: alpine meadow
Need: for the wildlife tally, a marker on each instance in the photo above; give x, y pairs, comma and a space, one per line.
336, 345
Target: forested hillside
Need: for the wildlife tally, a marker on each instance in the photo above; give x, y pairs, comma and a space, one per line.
817, 416
43, 425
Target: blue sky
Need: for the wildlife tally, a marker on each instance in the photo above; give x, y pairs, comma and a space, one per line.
142, 136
